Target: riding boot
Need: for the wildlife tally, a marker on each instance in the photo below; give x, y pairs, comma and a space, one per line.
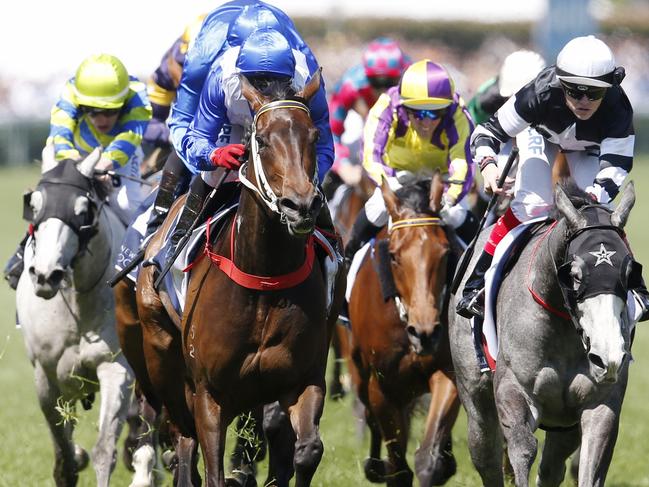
16, 264
362, 232
330, 265
189, 213
472, 302
163, 201
468, 229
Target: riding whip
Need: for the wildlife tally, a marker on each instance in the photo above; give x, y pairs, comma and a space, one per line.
466, 258
185, 238
115, 176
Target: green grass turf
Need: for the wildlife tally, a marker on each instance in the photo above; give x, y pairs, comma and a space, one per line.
26, 457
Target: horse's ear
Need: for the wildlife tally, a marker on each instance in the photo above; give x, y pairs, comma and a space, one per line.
390, 198
567, 209
436, 192
249, 92
312, 86
627, 200
49, 160
87, 165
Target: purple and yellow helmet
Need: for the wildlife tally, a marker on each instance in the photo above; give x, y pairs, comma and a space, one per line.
426, 85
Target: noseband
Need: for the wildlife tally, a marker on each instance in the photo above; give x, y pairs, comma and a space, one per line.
263, 188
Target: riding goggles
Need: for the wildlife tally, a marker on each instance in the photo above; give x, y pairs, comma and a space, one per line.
576, 92
94, 112
430, 114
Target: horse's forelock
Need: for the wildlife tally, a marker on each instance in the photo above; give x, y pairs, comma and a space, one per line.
415, 196
577, 196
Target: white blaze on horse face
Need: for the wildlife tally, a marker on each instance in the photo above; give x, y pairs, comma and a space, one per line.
56, 246
603, 318
81, 205
36, 202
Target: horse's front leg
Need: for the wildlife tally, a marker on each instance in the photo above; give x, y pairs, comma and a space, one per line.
434, 461
66, 467
393, 422
558, 446
281, 445
114, 381
599, 427
305, 416
211, 426
517, 424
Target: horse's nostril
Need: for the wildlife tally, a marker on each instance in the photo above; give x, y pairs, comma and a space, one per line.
412, 331
596, 360
56, 276
316, 204
288, 205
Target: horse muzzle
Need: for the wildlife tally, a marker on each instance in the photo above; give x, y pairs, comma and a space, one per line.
424, 340
300, 213
606, 370
46, 283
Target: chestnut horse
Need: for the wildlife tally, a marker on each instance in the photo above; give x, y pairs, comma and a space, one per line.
400, 344
251, 340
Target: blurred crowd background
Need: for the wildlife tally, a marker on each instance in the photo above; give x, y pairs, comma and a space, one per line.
473, 48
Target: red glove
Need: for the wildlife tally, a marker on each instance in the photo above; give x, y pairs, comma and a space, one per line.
227, 156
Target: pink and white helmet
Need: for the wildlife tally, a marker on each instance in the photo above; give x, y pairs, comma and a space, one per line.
384, 58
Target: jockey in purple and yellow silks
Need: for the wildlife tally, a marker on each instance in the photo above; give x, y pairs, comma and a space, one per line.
102, 106
361, 85
418, 126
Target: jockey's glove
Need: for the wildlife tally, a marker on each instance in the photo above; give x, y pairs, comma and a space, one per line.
227, 156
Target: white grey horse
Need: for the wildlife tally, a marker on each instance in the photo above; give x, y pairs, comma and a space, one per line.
566, 374
66, 310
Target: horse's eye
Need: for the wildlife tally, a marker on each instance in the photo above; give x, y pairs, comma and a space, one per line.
261, 143
314, 136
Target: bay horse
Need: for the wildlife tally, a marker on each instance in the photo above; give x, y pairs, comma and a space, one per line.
66, 311
260, 339
400, 343
563, 348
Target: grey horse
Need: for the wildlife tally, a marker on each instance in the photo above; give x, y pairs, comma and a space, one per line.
566, 374
67, 313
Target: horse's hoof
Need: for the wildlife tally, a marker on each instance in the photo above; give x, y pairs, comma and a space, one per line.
87, 401
374, 470
168, 459
435, 471
336, 391
241, 479
81, 458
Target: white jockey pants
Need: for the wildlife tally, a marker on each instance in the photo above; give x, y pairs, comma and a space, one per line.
533, 189
126, 198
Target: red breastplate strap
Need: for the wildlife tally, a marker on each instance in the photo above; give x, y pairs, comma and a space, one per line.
260, 283
538, 298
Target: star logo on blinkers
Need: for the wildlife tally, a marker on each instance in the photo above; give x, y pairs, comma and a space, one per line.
603, 255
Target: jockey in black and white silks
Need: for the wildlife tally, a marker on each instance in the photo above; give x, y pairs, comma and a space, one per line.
577, 107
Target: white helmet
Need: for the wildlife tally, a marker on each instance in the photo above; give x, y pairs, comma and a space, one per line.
518, 69
586, 61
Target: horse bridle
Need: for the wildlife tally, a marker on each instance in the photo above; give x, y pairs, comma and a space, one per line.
404, 224
263, 188
629, 275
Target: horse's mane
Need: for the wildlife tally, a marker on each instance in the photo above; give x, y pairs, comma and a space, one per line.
414, 195
578, 197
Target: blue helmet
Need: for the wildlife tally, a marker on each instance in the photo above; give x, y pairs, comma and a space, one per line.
266, 52
251, 18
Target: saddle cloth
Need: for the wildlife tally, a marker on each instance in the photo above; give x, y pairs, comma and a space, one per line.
485, 331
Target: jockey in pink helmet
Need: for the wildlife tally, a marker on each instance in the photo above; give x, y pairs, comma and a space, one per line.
362, 84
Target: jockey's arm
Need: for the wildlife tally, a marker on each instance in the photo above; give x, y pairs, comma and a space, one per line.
615, 163
378, 133
461, 167
325, 145
199, 141
63, 120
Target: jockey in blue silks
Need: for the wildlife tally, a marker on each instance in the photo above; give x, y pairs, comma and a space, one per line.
213, 138
224, 28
